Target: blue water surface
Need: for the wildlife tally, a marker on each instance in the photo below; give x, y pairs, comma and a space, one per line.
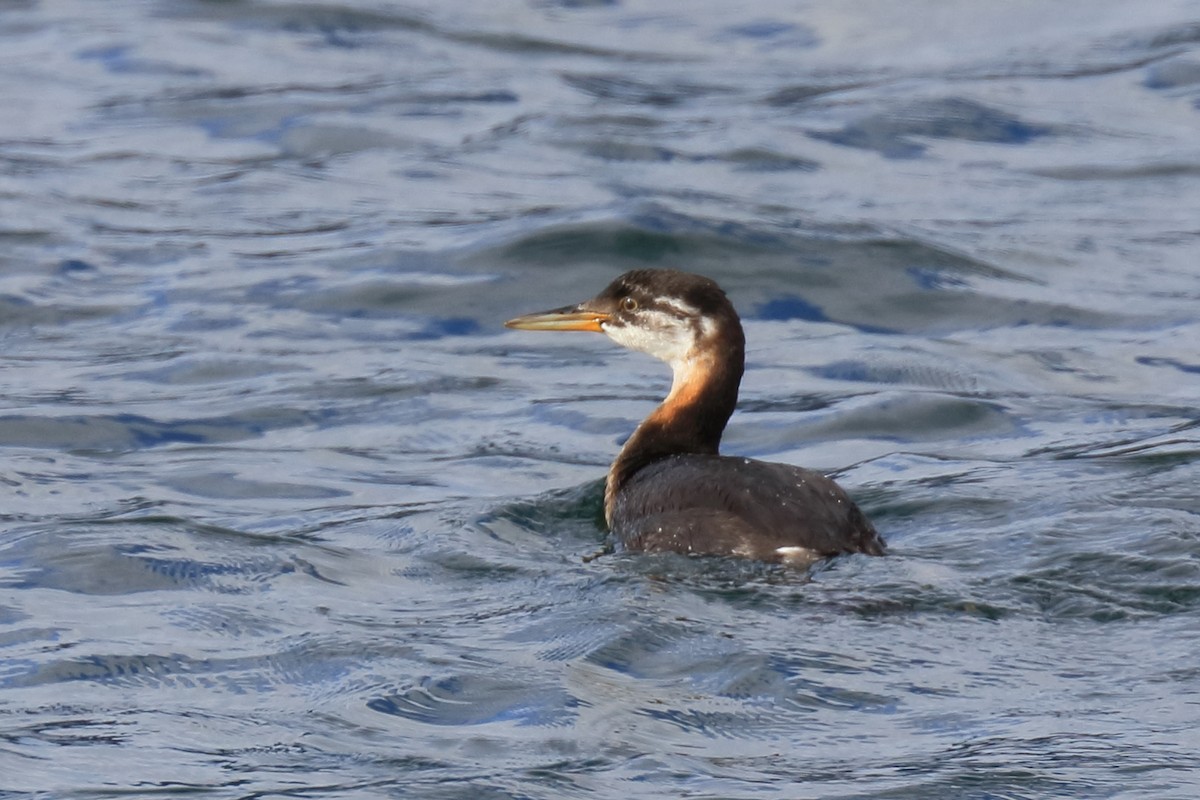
288, 513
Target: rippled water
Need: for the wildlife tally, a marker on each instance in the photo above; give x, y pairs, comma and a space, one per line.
288, 513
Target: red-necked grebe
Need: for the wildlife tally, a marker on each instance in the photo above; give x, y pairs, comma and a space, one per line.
669, 490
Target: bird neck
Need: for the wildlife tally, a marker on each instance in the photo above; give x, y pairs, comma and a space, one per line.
691, 419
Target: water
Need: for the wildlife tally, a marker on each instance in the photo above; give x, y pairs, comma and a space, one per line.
287, 512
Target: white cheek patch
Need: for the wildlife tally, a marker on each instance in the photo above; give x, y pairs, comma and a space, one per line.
661, 335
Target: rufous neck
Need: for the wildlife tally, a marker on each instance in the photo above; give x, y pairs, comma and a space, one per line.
691, 419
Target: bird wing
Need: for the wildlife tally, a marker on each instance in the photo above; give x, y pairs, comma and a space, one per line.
722, 504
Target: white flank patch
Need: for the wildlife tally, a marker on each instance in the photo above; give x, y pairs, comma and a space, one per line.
796, 555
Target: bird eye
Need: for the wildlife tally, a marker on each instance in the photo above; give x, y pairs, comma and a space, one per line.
629, 304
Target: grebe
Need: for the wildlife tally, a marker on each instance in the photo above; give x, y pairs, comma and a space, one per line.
669, 490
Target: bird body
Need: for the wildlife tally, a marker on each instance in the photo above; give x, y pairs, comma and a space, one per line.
669, 489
